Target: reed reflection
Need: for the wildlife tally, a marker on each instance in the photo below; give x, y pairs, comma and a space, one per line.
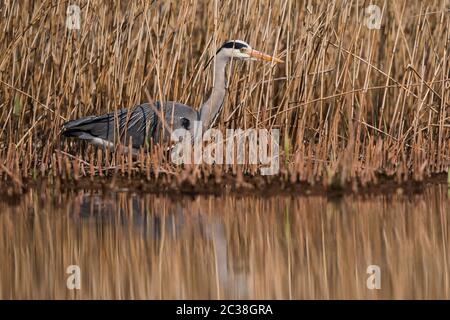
154, 247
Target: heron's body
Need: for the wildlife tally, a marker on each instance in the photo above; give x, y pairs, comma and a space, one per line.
139, 125
154, 122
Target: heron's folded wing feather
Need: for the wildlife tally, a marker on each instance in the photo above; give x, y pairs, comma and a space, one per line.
135, 123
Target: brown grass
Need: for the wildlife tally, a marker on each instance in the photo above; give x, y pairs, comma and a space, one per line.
351, 103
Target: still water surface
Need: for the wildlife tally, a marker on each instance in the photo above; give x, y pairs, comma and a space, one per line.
131, 246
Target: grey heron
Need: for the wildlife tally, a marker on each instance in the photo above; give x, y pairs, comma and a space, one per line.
145, 122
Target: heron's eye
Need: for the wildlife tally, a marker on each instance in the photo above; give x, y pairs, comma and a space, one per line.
242, 50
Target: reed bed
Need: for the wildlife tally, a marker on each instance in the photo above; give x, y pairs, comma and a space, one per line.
353, 104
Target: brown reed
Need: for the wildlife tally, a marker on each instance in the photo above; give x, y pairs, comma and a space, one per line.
352, 103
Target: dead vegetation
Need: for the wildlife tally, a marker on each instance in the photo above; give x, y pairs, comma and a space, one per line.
352, 103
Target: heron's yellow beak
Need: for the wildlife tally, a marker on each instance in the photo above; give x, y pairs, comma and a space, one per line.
262, 56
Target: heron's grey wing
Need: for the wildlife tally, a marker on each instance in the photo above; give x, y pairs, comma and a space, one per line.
138, 123
179, 115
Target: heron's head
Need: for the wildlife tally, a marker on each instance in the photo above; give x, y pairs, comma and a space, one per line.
239, 49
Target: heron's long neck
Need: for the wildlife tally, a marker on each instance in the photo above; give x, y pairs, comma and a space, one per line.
212, 107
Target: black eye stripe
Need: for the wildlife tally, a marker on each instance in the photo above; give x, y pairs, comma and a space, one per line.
233, 44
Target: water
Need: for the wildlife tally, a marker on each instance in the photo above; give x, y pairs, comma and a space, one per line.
131, 246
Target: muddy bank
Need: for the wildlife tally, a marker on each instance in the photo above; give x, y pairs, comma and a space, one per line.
228, 185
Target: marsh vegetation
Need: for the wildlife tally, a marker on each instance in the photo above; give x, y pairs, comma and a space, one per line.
353, 103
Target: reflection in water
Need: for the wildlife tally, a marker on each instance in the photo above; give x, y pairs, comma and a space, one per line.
132, 246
